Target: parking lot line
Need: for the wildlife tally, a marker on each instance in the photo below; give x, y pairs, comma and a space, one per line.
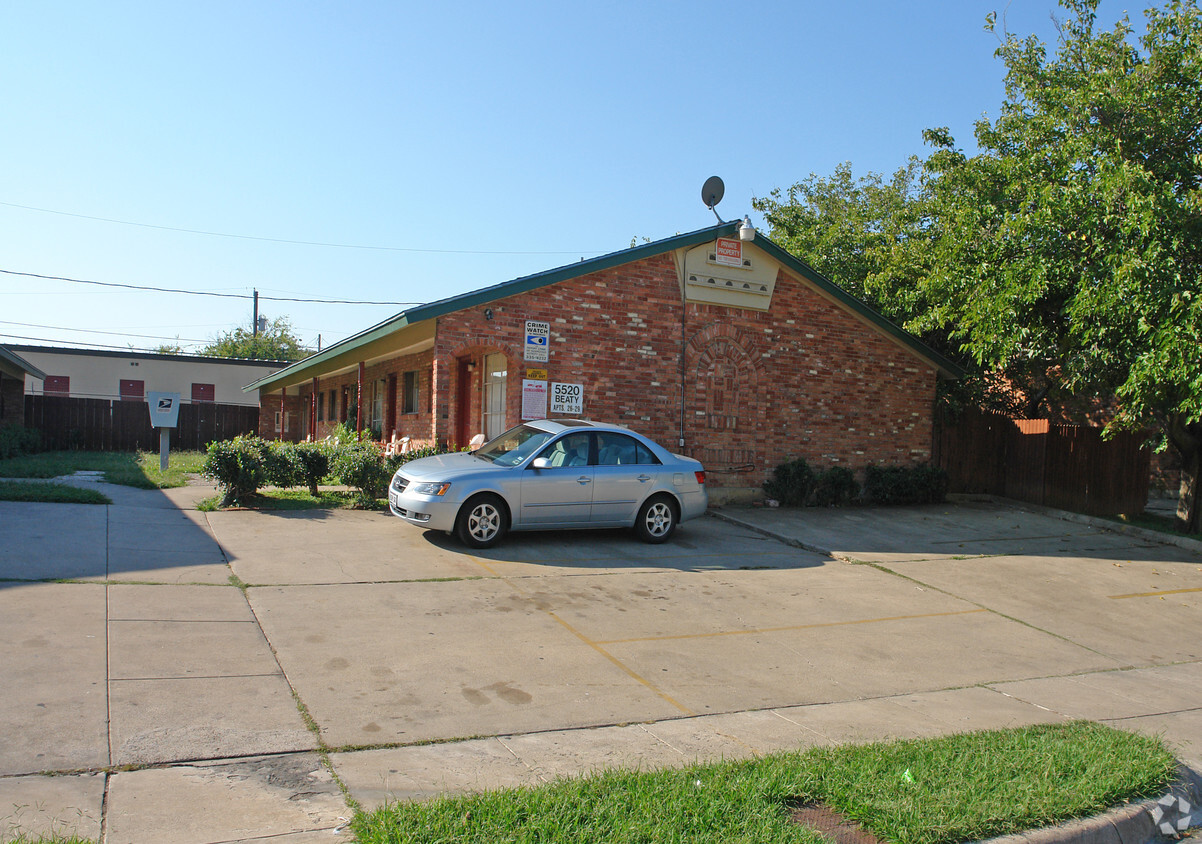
757, 630
1155, 594
631, 673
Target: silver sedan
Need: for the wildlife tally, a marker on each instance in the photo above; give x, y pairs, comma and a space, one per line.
551, 474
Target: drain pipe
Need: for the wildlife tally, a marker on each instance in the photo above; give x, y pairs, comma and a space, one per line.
684, 295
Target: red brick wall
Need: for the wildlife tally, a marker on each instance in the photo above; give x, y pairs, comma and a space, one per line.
417, 426
269, 405
12, 400
805, 379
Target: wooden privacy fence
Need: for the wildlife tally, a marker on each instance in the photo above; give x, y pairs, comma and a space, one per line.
111, 425
1069, 467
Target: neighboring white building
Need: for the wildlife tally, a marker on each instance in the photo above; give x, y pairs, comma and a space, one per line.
94, 374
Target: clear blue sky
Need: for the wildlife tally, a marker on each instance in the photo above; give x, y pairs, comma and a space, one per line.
468, 143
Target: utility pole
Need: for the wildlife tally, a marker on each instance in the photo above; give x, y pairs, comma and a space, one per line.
255, 325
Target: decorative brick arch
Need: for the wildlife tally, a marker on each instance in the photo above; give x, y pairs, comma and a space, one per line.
722, 375
724, 413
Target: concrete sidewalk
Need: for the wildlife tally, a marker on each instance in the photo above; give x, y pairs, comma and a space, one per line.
151, 696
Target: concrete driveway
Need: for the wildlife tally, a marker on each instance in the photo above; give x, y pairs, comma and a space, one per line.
187, 672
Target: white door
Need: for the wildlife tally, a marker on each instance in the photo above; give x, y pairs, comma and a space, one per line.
494, 395
379, 388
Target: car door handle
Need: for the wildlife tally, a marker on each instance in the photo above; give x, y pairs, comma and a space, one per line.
643, 478
584, 479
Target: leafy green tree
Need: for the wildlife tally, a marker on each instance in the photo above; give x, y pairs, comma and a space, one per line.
874, 237
1071, 244
275, 342
868, 235
1066, 254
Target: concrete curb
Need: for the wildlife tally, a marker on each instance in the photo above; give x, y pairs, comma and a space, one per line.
724, 516
1130, 824
1082, 519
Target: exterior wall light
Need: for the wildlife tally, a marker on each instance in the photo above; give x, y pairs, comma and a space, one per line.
746, 230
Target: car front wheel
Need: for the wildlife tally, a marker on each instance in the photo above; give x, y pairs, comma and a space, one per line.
482, 522
656, 520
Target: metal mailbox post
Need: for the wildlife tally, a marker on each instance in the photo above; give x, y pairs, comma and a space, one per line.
164, 415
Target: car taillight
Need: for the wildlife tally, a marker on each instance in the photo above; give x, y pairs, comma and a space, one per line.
700, 478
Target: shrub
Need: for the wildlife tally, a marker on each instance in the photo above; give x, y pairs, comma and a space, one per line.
791, 483
238, 466
344, 433
282, 465
314, 460
923, 484
836, 486
16, 440
360, 464
395, 461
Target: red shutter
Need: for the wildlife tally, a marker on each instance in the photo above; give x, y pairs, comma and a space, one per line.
132, 390
57, 385
203, 393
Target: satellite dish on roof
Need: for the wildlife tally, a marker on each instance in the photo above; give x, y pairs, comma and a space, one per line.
711, 193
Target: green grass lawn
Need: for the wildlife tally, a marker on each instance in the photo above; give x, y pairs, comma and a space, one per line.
932, 791
140, 469
295, 499
54, 493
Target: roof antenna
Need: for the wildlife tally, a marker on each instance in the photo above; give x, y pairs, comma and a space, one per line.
711, 194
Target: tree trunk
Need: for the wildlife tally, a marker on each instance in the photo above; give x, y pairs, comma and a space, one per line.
1185, 438
1189, 514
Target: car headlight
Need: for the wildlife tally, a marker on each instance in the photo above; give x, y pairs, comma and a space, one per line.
430, 488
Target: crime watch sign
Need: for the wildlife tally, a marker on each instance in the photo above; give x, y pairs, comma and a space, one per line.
538, 336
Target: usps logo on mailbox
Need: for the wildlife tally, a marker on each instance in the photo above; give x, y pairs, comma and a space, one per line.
538, 336
164, 409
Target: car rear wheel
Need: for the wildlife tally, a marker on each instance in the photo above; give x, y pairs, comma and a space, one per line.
482, 521
657, 519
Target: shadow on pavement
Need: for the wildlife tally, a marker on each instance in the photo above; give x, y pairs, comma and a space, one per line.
143, 536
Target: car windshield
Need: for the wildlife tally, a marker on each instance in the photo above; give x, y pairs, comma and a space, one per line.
513, 446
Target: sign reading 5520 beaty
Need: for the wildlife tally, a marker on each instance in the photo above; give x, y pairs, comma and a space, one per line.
567, 398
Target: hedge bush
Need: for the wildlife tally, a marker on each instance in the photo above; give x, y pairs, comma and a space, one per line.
791, 483
395, 461
924, 484
238, 466
16, 440
314, 459
835, 487
282, 464
360, 464
244, 464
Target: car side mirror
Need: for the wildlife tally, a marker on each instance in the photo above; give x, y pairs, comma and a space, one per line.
541, 463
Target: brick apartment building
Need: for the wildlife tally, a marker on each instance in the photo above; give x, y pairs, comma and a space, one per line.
733, 352
14, 369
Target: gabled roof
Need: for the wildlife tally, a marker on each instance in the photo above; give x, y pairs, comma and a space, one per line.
422, 313
19, 363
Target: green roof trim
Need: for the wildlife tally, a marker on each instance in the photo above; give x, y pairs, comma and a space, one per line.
525, 284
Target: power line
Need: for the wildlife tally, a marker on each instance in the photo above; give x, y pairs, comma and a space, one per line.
80, 343
285, 240
97, 331
206, 292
